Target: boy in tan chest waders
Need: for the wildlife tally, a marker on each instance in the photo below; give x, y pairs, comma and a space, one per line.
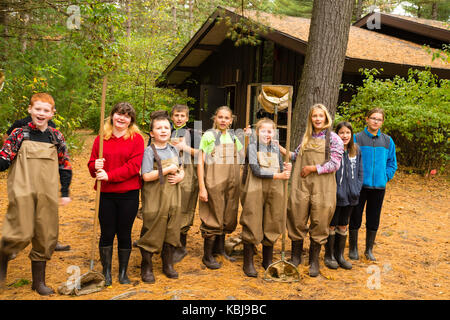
262, 214
313, 190
184, 138
162, 173
36, 154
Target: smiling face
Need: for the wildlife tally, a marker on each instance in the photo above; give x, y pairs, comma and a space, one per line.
41, 112
266, 133
318, 119
121, 121
223, 119
161, 131
345, 134
179, 118
374, 122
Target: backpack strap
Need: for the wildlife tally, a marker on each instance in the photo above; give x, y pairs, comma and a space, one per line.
158, 163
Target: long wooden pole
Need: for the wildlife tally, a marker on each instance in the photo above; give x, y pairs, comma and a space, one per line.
99, 183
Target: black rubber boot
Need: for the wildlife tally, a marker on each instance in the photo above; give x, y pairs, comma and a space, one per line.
147, 267
296, 252
249, 267
353, 244
167, 261
267, 256
4, 258
208, 259
219, 248
124, 257
329, 259
61, 247
370, 240
314, 251
180, 252
38, 274
339, 248
106, 258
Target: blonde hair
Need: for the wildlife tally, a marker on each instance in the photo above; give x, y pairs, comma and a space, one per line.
121, 108
264, 121
309, 125
227, 108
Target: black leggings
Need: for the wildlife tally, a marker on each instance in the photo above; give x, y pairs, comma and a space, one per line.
117, 212
341, 216
374, 199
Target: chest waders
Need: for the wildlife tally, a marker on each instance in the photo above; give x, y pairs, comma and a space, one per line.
32, 214
161, 220
312, 199
262, 214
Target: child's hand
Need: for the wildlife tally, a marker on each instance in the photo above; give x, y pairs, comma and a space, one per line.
64, 201
307, 170
285, 175
172, 169
248, 130
287, 166
174, 178
203, 195
99, 163
180, 144
102, 175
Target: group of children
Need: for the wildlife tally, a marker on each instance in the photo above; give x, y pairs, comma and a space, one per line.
171, 173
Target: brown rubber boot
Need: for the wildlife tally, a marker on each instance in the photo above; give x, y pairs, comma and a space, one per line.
296, 252
38, 274
208, 259
314, 251
147, 267
180, 252
248, 267
167, 261
267, 256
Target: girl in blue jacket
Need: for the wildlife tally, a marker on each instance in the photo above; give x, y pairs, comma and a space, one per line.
349, 180
379, 164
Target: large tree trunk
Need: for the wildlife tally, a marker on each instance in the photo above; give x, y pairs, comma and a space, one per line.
324, 62
434, 11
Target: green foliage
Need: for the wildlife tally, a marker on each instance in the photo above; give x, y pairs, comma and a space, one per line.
417, 115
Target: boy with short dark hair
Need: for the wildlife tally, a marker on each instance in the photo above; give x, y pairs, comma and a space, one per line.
183, 138
36, 154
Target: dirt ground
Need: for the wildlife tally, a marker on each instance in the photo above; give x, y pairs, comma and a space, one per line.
412, 251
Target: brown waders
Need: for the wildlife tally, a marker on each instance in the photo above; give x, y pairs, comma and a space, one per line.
161, 222
312, 198
219, 215
32, 214
262, 212
189, 196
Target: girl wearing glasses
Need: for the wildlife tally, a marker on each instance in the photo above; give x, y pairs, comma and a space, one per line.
379, 165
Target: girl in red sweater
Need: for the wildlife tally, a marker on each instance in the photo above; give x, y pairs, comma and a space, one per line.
123, 150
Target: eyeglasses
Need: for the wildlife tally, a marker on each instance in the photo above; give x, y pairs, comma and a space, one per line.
376, 119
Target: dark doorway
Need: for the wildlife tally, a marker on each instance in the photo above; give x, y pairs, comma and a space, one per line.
211, 97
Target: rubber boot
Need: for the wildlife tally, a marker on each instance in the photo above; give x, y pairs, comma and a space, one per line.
147, 267
124, 257
339, 248
106, 258
267, 256
4, 258
208, 259
38, 274
314, 251
180, 252
296, 252
329, 259
249, 267
353, 244
167, 261
61, 247
219, 248
370, 239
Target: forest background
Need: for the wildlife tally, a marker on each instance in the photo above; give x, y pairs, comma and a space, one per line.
66, 47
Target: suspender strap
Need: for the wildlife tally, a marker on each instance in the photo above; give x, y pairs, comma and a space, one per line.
159, 164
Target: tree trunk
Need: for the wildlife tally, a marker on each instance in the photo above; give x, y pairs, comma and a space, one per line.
324, 62
358, 12
434, 11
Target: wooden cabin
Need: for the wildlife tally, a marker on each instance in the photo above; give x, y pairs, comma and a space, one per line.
216, 72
